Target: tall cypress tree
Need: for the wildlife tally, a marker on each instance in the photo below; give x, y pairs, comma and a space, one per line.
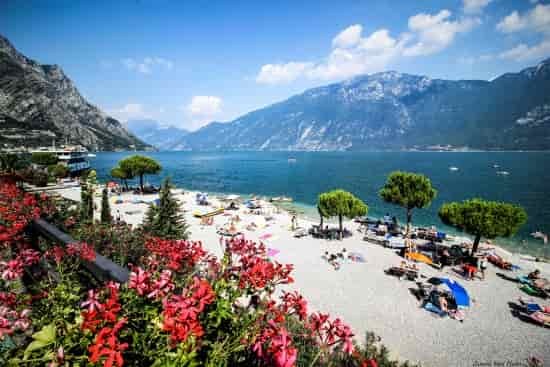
87, 188
166, 220
106, 216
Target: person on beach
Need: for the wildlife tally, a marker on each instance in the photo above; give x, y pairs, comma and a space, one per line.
482, 267
443, 304
118, 216
534, 274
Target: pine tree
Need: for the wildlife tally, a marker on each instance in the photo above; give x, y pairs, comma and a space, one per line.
150, 219
87, 188
106, 217
166, 220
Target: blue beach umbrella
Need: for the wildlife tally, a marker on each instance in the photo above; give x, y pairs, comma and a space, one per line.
459, 293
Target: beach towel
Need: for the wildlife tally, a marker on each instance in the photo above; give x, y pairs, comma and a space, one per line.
272, 252
356, 257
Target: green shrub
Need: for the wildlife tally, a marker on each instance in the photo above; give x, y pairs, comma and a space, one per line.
58, 170
43, 158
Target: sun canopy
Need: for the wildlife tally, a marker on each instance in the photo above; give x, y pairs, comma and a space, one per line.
461, 296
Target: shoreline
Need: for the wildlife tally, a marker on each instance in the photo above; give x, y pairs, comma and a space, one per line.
307, 212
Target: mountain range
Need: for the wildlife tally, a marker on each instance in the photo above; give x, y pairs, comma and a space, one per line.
39, 105
395, 111
160, 136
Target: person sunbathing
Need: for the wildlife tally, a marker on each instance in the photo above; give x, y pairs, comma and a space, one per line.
443, 304
534, 274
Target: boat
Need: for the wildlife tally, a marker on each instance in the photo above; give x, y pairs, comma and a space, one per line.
281, 199
453, 168
496, 166
503, 173
75, 158
291, 160
91, 155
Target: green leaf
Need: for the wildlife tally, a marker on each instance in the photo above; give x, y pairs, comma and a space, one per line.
47, 334
35, 345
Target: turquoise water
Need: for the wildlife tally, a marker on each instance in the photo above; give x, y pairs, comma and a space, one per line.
364, 173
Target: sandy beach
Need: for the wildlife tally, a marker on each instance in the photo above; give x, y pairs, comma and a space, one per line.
369, 300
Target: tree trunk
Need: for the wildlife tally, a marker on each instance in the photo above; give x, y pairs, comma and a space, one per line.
476, 244
409, 220
321, 216
341, 228
141, 182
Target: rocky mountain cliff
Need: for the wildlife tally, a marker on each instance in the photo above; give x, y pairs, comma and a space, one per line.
396, 111
39, 104
159, 136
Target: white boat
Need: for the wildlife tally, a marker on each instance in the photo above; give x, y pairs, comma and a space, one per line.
496, 166
281, 199
92, 155
453, 168
503, 173
291, 160
75, 158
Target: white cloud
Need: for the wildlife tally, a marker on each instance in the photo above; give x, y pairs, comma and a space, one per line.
281, 73
129, 111
436, 32
349, 37
147, 65
522, 52
536, 19
511, 23
202, 109
475, 6
353, 54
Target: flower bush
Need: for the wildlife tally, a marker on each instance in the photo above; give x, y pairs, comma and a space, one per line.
181, 306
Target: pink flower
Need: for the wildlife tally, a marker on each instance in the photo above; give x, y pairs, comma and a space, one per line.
13, 269
162, 285
139, 281
93, 302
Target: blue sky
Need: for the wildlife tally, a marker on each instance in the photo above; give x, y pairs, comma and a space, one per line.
189, 62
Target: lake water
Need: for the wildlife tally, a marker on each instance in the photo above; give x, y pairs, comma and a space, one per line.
364, 173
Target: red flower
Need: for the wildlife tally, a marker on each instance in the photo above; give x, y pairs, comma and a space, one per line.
331, 333
181, 313
107, 344
294, 303
12, 269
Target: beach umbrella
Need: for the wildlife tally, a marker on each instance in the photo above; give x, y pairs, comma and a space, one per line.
112, 184
232, 197
459, 293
